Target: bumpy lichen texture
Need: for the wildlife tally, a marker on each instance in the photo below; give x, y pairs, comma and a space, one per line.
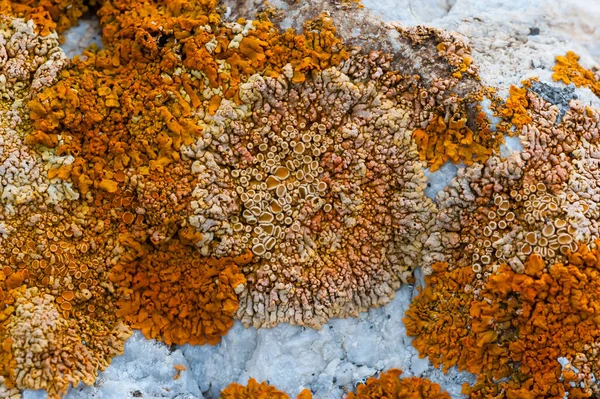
58, 326
197, 170
338, 198
568, 70
238, 138
389, 385
511, 292
518, 326
47, 15
132, 118
174, 294
47, 349
254, 390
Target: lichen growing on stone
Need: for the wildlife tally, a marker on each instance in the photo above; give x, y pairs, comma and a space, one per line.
197, 170
47, 350
512, 286
273, 143
516, 328
254, 390
386, 386
390, 385
174, 294
568, 70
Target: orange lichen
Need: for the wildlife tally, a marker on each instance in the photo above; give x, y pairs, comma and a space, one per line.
129, 106
162, 129
515, 107
173, 293
48, 15
452, 140
568, 70
57, 355
178, 368
254, 390
389, 385
517, 327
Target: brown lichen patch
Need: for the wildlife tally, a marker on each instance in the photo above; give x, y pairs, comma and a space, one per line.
517, 326
323, 181
568, 70
254, 390
451, 50
48, 15
173, 293
390, 385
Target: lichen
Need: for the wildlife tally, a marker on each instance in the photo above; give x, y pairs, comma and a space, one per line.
254, 390
390, 385
48, 15
568, 70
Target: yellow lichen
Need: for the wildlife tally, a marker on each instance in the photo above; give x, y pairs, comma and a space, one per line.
568, 70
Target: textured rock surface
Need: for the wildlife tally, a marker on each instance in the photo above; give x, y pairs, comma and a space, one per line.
511, 40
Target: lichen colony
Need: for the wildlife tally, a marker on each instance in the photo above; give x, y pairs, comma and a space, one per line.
197, 170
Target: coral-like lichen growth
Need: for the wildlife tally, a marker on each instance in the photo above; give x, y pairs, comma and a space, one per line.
47, 351
237, 137
196, 170
48, 15
568, 70
175, 294
492, 306
389, 385
517, 327
61, 329
254, 390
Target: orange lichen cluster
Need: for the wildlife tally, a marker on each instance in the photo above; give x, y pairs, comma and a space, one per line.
48, 15
515, 108
568, 70
130, 107
453, 140
517, 328
254, 390
42, 349
127, 113
58, 326
459, 131
196, 170
389, 386
173, 293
